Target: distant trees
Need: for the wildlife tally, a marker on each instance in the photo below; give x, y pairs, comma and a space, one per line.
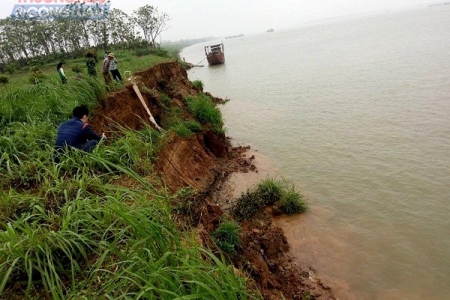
152, 22
25, 41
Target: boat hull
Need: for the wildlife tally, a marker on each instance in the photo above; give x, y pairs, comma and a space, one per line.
216, 59
215, 54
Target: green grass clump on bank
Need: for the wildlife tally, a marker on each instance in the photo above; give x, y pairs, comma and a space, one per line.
175, 121
268, 192
226, 237
292, 202
198, 84
205, 111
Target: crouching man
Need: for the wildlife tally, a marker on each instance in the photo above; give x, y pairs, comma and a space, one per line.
77, 133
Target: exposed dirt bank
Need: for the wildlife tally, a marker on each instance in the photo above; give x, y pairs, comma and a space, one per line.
205, 161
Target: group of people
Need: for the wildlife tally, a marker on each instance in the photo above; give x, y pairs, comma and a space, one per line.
109, 68
76, 132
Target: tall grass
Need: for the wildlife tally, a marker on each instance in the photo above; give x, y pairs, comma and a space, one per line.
122, 238
205, 111
94, 225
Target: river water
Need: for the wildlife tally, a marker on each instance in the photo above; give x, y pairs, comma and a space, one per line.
356, 112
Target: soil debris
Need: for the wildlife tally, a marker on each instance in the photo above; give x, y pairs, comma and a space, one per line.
203, 162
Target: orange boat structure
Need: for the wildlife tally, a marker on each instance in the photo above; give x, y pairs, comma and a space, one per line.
215, 54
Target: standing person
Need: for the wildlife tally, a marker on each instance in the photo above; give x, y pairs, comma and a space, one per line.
113, 68
105, 71
60, 70
77, 133
91, 61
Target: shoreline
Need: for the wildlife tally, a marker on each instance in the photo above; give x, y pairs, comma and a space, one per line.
237, 183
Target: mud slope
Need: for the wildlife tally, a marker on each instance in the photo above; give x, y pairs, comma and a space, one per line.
202, 161
182, 162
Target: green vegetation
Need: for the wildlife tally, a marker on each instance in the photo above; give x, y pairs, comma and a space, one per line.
126, 62
268, 192
95, 225
198, 84
205, 111
36, 77
77, 68
28, 43
292, 202
4, 79
227, 237
176, 122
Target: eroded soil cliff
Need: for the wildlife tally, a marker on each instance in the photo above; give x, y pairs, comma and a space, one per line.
202, 161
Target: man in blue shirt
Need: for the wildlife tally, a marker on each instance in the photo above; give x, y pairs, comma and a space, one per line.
77, 133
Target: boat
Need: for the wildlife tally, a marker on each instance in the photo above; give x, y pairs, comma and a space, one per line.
234, 36
270, 30
215, 54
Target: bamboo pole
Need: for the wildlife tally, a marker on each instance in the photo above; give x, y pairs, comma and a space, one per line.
132, 79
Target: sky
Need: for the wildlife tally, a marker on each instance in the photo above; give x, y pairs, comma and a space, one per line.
219, 18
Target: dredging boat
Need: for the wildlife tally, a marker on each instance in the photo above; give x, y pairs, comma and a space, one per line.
215, 54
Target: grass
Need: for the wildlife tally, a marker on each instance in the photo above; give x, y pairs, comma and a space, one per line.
97, 232
205, 111
292, 202
127, 61
198, 84
94, 225
226, 237
268, 192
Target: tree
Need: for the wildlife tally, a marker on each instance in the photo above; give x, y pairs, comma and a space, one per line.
152, 23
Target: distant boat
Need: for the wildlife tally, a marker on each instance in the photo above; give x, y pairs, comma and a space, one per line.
215, 54
234, 36
270, 30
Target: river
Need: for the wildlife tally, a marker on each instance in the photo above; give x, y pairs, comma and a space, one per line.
355, 112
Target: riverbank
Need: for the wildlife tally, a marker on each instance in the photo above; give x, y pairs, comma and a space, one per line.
210, 164
143, 200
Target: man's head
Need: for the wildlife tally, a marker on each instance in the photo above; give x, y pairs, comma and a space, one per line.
81, 112
110, 55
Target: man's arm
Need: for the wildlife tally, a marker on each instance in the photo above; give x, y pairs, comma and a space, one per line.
90, 134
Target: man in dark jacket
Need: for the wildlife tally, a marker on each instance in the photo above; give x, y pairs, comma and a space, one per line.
77, 133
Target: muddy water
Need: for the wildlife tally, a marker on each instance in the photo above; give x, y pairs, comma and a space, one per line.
357, 113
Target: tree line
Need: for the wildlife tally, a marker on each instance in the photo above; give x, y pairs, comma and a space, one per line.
32, 42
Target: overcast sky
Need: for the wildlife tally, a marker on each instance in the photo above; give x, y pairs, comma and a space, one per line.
219, 18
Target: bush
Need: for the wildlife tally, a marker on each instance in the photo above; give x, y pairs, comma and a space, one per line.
77, 68
198, 84
141, 52
227, 237
160, 53
11, 68
248, 205
4, 79
270, 190
91, 51
292, 202
37, 77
